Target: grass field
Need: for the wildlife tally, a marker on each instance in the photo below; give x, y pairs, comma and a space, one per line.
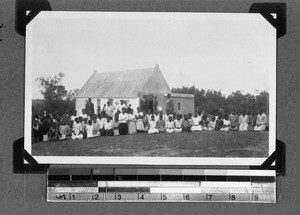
195, 144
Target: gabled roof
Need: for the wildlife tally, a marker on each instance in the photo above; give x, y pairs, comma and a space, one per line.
118, 84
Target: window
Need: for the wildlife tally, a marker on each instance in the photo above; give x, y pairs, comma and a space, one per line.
179, 106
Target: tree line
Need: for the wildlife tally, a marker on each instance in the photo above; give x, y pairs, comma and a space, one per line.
212, 100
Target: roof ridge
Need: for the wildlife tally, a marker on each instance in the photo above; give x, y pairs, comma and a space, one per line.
147, 79
128, 70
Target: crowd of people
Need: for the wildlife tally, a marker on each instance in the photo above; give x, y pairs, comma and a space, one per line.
112, 121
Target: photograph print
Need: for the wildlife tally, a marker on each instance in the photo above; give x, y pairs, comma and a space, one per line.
149, 88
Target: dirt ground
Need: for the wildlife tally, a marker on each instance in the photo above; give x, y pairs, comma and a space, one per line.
194, 144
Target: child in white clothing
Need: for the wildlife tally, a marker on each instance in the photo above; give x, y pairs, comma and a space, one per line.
170, 126
152, 123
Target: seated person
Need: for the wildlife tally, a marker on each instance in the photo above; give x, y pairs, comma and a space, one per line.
261, 121
89, 129
204, 123
109, 127
82, 127
234, 121
170, 126
226, 124
196, 122
76, 133
101, 120
178, 124
252, 121
243, 121
160, 124
62, 133
96, 127
212, 123
152, 126
186, 126
219, 123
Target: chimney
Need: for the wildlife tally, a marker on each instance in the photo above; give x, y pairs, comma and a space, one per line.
95, 71
156, 65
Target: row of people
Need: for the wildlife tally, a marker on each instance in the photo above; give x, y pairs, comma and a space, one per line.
84, 126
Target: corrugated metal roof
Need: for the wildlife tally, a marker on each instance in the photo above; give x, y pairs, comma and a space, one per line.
116, 84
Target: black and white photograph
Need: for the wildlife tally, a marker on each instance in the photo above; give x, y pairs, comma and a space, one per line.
150, 88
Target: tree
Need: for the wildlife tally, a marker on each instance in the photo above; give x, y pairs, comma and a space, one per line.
56, 98
52, 90
71, 96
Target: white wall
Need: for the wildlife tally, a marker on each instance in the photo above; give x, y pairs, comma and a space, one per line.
80, 103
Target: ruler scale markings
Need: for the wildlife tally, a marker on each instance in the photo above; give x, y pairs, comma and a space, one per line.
225, 186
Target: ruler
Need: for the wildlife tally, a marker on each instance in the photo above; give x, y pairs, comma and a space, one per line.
253, 186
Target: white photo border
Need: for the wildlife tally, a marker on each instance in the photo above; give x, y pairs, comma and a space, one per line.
151, 161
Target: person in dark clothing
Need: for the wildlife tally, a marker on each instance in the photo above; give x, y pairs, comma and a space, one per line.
170, 105
89, 108
219, 123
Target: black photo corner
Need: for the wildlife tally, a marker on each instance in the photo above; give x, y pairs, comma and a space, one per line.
35, 6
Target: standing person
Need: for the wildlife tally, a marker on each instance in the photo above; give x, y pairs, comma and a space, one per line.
66, 117
89, 108
139, 123
146, 122
74, 115
36, 128
83, 114
131, 122
123, 119
243, 121
152, 126
170, 105
45, 128
53, 134
109, 110
123, 105
261, 121
129, 109
116, 124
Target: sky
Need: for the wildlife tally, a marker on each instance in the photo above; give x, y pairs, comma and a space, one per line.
218, 51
